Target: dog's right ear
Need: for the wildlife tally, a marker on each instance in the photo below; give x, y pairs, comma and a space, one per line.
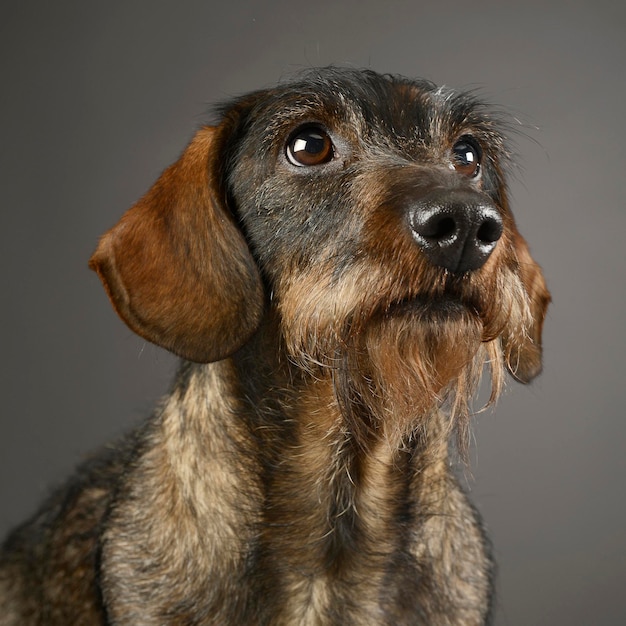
177, 268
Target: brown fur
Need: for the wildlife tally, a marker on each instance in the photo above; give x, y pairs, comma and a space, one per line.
298, 472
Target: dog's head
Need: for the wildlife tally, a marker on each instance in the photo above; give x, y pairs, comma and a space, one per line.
368, 212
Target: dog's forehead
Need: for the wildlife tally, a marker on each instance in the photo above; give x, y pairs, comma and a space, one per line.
411, 114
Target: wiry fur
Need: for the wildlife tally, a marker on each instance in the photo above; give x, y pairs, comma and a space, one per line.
298, 471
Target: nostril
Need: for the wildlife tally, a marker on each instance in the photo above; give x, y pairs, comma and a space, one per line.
489, 231
443, 228
434, 225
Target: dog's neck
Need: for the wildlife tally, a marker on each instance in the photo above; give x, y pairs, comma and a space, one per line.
287, 431
282, 464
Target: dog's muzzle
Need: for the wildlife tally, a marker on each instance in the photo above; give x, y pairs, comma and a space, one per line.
456, 230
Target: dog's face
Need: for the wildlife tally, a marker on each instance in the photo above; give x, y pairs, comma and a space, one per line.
370, 213
323, 166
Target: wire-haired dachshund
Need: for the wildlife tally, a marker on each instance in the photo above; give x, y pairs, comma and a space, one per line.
335, 261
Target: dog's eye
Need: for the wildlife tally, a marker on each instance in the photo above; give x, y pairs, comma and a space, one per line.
466, 155
310, 146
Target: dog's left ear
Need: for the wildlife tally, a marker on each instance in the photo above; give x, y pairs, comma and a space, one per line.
523, 354
177, 268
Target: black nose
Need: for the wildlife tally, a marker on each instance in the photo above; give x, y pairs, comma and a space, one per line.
457, 230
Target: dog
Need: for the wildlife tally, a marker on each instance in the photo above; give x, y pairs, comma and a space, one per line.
336, 262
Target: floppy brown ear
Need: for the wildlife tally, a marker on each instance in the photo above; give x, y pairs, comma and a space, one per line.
177, 268
524, 353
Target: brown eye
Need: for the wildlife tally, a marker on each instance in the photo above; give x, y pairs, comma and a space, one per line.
466, 155
310, 146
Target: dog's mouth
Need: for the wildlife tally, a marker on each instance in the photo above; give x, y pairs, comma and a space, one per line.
439, 308
443, 313
438, 305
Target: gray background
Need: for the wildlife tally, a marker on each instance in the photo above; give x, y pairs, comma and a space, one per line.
97, 98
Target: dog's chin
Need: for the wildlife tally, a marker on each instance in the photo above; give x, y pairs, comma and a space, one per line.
393, 364
416, 357
442, 330
428, 314
435, 308
433, 338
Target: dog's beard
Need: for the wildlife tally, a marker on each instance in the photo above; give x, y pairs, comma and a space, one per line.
408, 369
394, 376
